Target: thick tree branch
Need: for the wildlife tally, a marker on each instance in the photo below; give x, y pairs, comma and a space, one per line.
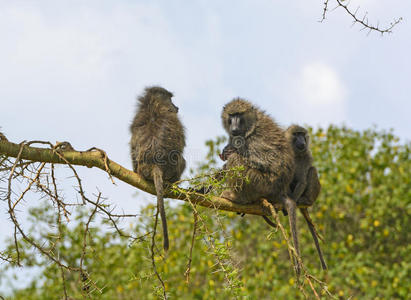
98, 159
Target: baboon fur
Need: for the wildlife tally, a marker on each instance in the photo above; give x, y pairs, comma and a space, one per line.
264, 153
157, 144
305, 186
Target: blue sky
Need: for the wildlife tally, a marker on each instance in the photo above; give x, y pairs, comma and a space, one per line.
71, 70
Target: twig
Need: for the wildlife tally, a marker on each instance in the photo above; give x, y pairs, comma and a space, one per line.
220, 262
106, 161
325, 9
86, 231
60, 204
63, 278
7, 258
364, 20
17, 227
11, 212
187, 272
291, 250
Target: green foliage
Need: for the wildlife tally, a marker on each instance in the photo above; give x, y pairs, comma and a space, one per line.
363, 212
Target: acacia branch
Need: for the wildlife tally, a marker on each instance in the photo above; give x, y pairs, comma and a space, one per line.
363, 21
99, 160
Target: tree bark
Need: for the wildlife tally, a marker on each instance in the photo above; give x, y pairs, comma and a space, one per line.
96, 159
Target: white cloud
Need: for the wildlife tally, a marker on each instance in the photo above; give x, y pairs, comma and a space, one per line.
316, 96
73, 73
321, 86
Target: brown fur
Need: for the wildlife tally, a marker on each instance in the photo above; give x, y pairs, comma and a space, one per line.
263, 150
305, 186
157, 144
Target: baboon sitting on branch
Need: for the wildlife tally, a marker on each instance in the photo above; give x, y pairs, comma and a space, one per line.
157, 144
305, 186
260, 147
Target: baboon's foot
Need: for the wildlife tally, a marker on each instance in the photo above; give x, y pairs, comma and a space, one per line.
229, 195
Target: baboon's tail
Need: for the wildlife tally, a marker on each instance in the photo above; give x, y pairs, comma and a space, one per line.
291, 207
315, 236
269, 222
158, 183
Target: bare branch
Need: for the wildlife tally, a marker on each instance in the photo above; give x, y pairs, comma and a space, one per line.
298, 263
190, 258
362, 21
96, 159
325, 9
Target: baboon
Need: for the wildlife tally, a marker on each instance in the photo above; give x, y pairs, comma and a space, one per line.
227, 151
262, 149
305, 186
3, 137
157, 144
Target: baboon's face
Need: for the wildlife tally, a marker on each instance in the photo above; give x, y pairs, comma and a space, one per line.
237, 124
172, 107
300, 141
166, 102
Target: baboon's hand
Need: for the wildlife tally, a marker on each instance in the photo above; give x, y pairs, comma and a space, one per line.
227, 151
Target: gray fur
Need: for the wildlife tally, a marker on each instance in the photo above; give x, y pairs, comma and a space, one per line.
305, 186
263, 150
157, 144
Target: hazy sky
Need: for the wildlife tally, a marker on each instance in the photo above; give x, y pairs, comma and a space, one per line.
71, 70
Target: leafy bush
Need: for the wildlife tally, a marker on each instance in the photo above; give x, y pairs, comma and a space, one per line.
363, 212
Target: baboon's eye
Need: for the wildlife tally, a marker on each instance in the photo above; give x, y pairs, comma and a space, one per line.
229, 121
